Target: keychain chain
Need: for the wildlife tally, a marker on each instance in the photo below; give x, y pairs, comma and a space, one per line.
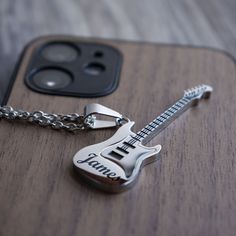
69, 122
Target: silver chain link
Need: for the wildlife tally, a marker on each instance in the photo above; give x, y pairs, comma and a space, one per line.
69, 122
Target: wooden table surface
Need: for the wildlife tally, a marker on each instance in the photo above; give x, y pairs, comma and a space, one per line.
208, 23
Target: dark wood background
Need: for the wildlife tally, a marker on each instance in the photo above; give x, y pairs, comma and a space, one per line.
192, 197
208, 23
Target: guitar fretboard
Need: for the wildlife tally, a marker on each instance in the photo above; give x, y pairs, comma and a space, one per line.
191, 97
156, 126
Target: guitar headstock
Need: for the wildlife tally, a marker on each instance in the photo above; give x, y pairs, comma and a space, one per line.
198, 92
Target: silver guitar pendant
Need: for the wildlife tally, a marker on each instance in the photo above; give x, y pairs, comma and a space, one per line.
114, 165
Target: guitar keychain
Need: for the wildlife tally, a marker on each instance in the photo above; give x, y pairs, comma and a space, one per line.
114, 165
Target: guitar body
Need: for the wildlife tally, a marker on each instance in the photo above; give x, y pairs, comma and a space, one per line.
112, 167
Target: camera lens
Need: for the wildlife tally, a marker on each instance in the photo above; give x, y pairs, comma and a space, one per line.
60, 52
94, 68
51, 79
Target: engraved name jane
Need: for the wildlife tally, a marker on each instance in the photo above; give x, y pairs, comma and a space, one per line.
99, 167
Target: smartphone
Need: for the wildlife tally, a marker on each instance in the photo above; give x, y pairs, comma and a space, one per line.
41, 194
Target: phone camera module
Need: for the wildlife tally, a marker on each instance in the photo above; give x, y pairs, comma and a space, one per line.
51, 79
60, 53
66, 66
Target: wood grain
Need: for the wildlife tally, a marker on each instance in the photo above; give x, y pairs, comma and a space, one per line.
190, 191
208, 23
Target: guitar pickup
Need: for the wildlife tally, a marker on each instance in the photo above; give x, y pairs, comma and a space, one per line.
122, 150
116, 155
129, 145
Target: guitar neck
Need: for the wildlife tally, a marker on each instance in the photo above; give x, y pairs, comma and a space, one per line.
162, 121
